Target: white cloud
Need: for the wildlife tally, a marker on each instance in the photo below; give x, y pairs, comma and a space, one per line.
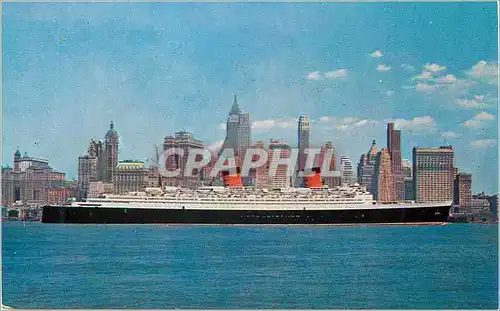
344, 124
470, 103
408, 67
479, 120
434, 67
484, 116
389, 93
425, 75
270, 123
383, 67
484, 69
215, 146
424, 87
335, 74
350, 119
263, 124
315, 75
483, 143
287, 124
361, 122
376, 54
350, 123
417, 123
449, 135
448, 79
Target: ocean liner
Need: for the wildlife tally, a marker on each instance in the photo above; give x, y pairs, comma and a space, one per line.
238, 205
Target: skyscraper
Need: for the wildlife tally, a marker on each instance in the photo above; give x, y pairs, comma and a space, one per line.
87, 173
111, 149
408, 176
302, 141
383, 179
433, 174
280, 179
260, 175
96, 150
346, 171
394, 146
462, 194
184, 141
238, 131
331, 181
367, 165
359, 168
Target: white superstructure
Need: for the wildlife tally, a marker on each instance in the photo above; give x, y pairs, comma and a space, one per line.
209, 198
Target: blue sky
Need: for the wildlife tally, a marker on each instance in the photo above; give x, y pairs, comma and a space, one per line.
68, 69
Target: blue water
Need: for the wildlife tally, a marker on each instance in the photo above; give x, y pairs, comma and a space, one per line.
156, 266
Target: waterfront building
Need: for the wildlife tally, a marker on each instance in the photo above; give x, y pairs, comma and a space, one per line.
111, 151
367, 165
492, 199
130, 176
394, 147
60, 195
433, 174
383, 178
408, 177
280, 179
30, 180
98, 188
184, 141
479, 206
346, 171
96, 150
462, 192
87, 173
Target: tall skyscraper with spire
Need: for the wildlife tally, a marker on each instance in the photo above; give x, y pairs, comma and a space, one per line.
303, 140
303, 135
111, 149
394, 147
238, 131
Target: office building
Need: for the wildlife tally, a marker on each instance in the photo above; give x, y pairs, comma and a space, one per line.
182, 141
394, 147
383, 178
130, 176
346, 171
433, 174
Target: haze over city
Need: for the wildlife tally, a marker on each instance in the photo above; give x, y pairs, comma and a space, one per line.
157, 69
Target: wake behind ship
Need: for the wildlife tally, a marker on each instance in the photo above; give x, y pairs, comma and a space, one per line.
220, 205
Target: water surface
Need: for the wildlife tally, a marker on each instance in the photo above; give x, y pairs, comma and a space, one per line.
159, 266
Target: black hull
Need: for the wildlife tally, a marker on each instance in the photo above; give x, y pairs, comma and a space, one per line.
68, 214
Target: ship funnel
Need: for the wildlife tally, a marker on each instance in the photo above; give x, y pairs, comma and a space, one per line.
232, 180
313, 179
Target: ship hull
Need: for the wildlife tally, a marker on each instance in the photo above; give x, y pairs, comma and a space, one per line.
130, 215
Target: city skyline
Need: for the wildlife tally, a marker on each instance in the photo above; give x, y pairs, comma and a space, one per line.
154, 78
